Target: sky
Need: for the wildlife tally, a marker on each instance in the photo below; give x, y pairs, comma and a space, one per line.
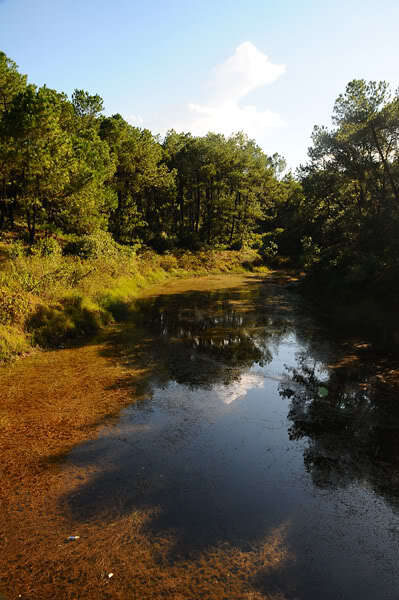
270, 68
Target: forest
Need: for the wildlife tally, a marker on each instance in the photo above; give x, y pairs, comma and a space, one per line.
67, 171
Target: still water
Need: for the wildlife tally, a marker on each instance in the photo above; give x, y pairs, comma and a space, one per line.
255, 416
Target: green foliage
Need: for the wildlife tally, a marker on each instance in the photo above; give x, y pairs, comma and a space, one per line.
311, 252
13, 306
223, 187
42, 274
54, 299
97, 245
71, 318
65, 168
89, 200
16, 249
139, 181
50, 326
96, 196
270, 250
86, 105
46, 246
168, 262
350, 220
13, 341
11, 82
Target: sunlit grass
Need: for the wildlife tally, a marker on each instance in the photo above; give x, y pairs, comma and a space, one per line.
49, 300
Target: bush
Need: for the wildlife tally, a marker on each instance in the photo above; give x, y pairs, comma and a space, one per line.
43, 274
72, 317
46, 246
97, 245
16, 249
12, 342
57, 298
50, 326
168, 262
311, 253
13, 306
189, 262
270, 250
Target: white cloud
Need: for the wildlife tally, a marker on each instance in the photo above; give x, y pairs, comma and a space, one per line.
230, 117
245, 71
238, 389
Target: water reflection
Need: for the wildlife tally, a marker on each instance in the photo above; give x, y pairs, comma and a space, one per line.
190, 446
227, 444
205, 338
349, 415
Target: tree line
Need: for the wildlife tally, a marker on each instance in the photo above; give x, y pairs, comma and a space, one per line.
65, 168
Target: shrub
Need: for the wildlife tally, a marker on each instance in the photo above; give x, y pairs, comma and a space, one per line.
189, 262
46, 246
12, 342
168, 262
44, 274
311, 252
270, 250
16, 249
13, 306
59, 298
72, 317
50, 325
97, 245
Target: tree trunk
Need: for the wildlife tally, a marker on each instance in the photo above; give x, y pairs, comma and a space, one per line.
198, 210
31, 221
118, 217
236, 199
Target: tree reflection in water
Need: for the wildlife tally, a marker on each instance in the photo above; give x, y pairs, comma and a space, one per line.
350, 417
207, 338
206, 455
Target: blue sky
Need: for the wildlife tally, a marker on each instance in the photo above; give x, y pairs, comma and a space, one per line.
271, 68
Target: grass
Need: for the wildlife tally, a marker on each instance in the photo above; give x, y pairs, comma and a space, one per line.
46, 301
12, 342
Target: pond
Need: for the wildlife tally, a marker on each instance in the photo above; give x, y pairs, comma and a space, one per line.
258, 457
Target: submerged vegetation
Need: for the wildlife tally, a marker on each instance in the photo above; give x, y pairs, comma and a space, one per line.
92, 209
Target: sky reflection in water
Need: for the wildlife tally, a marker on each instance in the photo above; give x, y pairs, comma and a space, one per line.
234, 439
